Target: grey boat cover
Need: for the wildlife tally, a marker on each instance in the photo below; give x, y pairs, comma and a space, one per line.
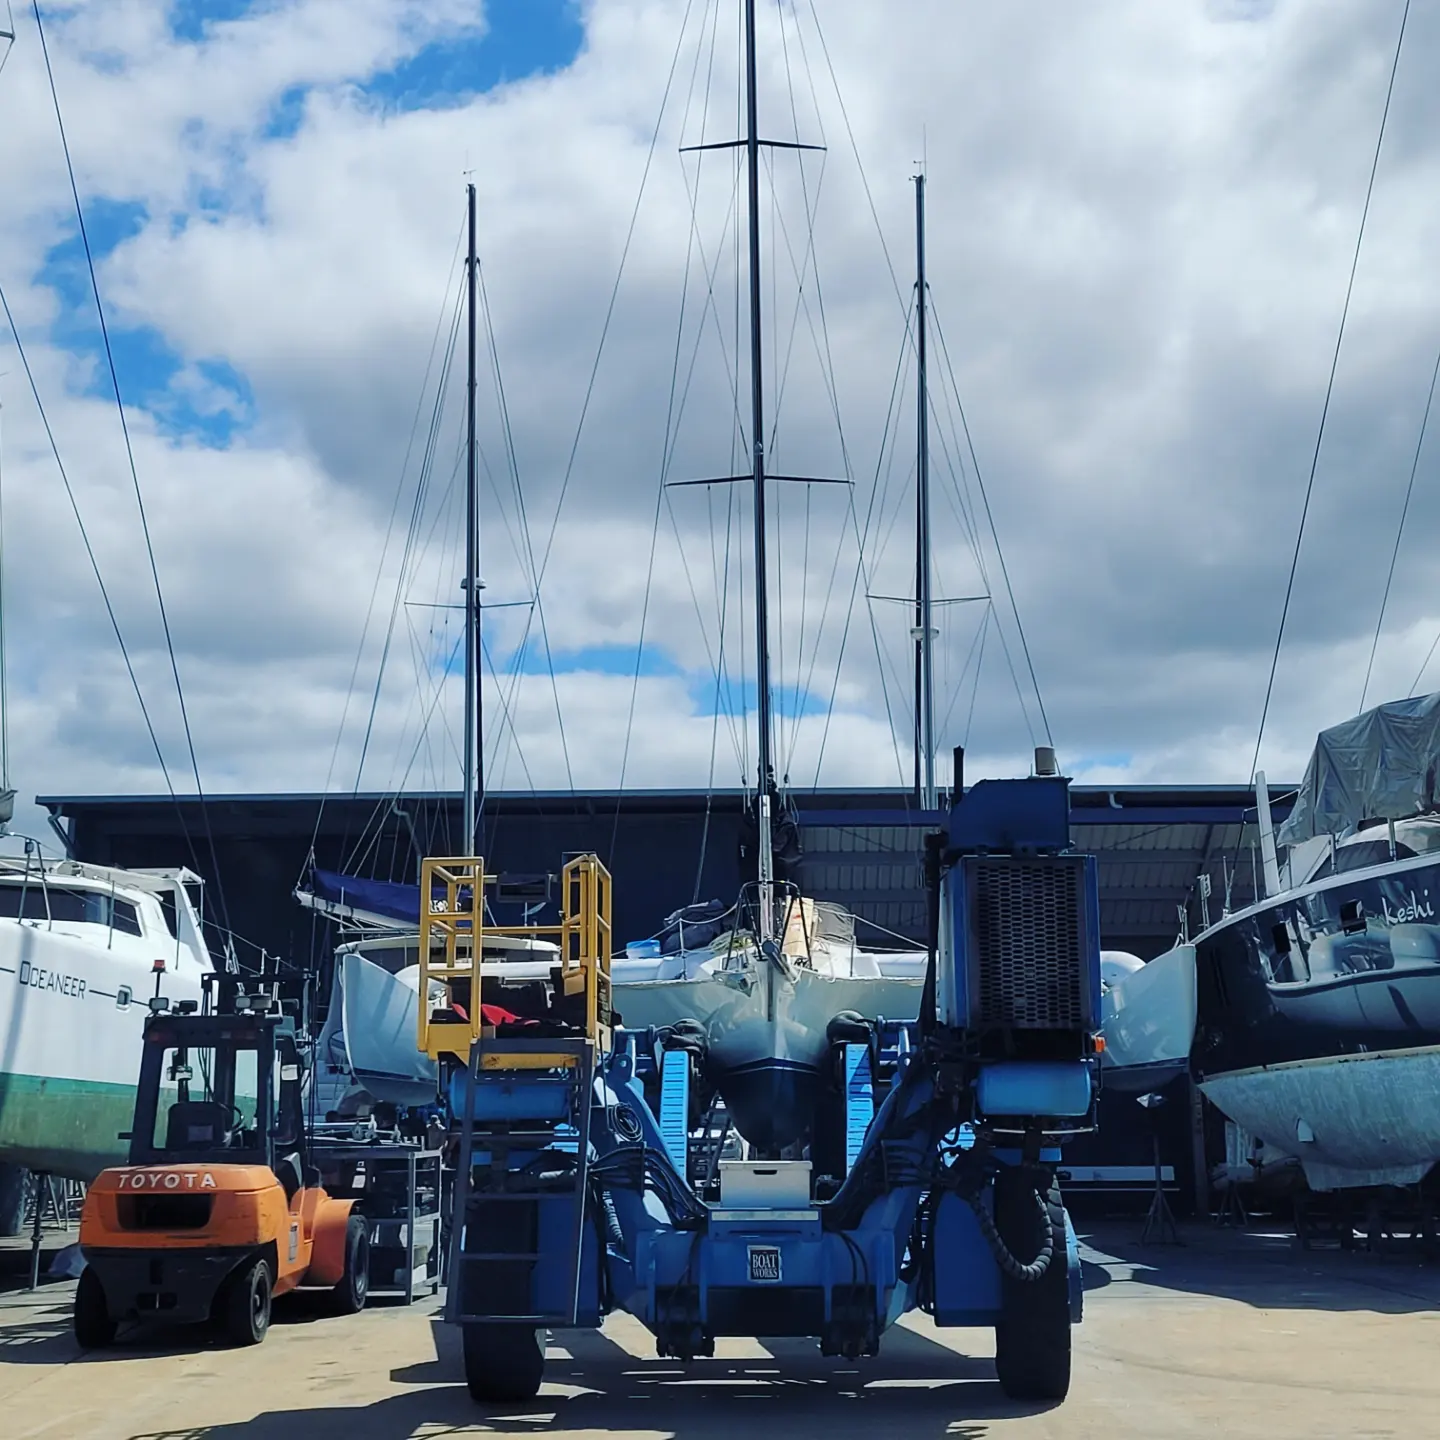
1381, 765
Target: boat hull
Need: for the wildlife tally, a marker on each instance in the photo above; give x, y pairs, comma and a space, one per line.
1350, 1120
381, 1019
1320, 1012
766, 1033
1149, 1023
69, 1047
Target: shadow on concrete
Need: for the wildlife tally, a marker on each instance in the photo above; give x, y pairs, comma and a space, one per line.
915, 1388
15, 1261
1264, 1268
41, 1333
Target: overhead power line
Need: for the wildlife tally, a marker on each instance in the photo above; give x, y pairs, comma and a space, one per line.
134, 474
1329, 391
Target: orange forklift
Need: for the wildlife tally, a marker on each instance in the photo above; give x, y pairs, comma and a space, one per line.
219, 1209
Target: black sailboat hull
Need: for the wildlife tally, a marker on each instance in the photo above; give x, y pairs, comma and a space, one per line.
1296, 999
1348, 966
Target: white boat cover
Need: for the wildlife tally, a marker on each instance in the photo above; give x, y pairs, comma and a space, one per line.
380, 1020
1381, 765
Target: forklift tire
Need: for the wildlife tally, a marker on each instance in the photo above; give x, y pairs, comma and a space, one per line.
503, 1363
1032, 1337
348, 1297
245, 1304
94, 1329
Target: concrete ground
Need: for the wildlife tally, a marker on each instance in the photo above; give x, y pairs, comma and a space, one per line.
1234, 1334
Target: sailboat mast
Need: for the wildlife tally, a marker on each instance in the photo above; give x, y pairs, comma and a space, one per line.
924, 631
757, 438
474, 756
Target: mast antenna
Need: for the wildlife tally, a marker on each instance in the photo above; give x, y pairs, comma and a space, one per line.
766, 769
474, 754
924, 630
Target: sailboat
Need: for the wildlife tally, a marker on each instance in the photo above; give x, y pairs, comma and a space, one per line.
1319, 1005
368, 1062
771, 982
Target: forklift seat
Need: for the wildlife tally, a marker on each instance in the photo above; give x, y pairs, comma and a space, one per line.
197, 1125
290, 1173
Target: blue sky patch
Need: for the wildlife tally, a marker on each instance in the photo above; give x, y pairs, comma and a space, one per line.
522, 38
286, 114
209, 402
735, 694
593, 660
190, 19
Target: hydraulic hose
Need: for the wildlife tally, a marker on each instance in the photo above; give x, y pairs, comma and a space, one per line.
1004, 1256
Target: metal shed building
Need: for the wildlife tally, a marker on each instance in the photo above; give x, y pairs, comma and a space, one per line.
665, 849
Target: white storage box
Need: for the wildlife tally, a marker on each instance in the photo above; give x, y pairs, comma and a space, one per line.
765, 1184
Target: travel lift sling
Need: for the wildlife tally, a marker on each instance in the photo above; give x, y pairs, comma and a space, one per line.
573, 1194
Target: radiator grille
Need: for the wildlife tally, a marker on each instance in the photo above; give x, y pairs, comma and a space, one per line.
1029, 944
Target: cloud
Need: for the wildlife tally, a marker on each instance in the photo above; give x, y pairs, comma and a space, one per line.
1141, 221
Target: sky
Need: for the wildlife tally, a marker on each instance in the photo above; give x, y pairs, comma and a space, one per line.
1141, 224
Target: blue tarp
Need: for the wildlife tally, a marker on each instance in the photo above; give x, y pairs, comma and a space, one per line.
384, 898
400, 903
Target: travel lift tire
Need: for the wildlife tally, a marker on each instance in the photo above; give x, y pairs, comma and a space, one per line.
244, 1304
1032, 1337
503, 1363
94, 1329
348, 1296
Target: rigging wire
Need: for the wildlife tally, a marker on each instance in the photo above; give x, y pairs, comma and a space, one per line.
861, 577
614, 296
1329, 390
1424, 666
422, 486
716, 702
524, 525
1400, 529
994, 533
979, 665
99, 577
900, 298
385, 548
635, 679
134, 474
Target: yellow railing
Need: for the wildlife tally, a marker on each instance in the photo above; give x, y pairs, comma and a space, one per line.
452, 916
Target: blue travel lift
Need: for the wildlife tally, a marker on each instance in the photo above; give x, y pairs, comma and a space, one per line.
582, 1174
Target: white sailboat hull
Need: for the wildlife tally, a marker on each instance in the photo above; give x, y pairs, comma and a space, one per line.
1148, 1020
381, 1019
766, 1030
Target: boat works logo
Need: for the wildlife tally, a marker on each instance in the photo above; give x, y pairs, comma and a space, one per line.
168, 1180
765, 1264
1405, 914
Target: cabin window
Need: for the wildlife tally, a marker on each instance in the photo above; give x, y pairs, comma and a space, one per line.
125, 917
34, 901
1361, 856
